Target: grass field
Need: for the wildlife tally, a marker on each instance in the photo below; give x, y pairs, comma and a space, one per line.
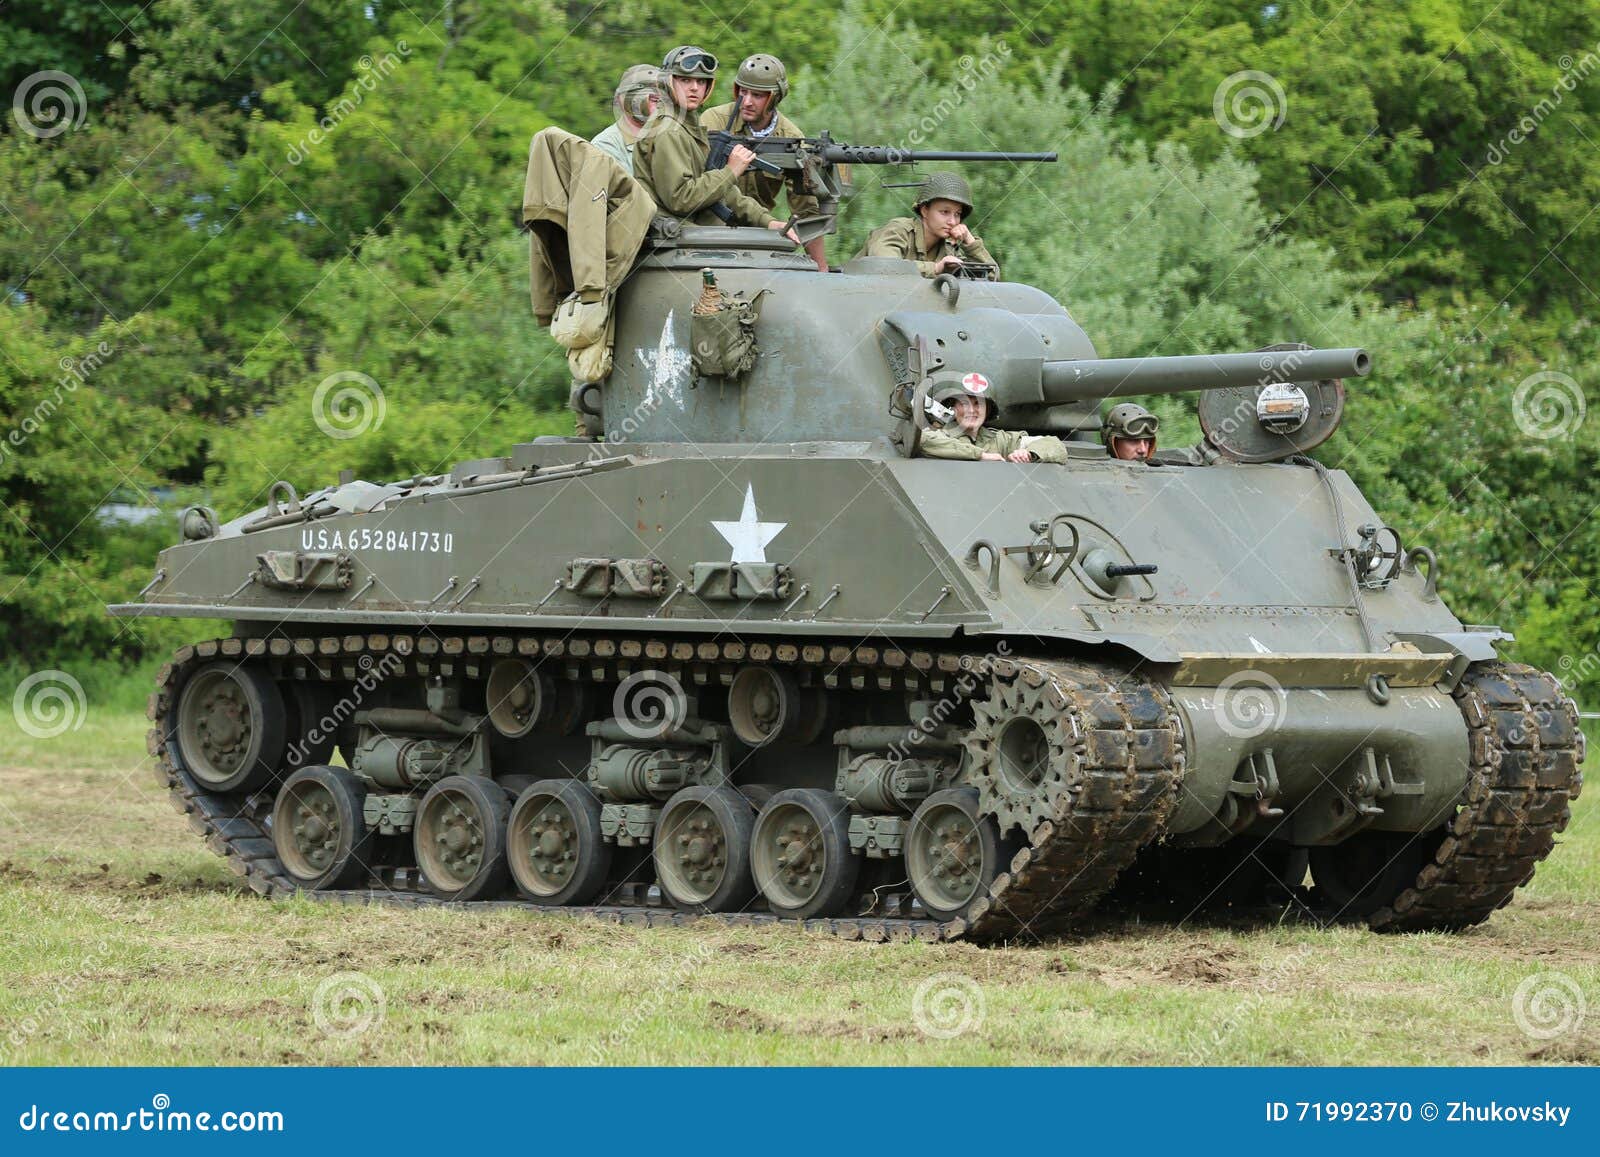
124, 941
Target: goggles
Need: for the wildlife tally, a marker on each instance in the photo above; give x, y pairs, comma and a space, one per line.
1143, 426
693, 63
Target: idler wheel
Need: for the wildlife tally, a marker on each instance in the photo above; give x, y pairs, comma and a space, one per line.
702, 850
554, 844
229, 727
460, 838
953, 853
1369, 870
800, 853
318, 828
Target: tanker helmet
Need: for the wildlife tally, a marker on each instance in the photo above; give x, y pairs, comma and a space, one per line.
635, 89
763, 73
945, 187
688, 60
1129, 420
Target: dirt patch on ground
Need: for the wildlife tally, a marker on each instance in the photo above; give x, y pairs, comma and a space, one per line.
733, 1018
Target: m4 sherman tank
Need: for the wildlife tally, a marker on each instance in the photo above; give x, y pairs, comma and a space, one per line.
748, 654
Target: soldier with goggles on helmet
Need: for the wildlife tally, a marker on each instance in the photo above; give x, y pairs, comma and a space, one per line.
669, 159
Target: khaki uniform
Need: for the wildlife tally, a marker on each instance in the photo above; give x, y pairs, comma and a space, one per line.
762, 187
587, 220
957, 443
669, 160
616, 143
902, 237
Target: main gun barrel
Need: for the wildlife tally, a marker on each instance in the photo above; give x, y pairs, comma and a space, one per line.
1072, 381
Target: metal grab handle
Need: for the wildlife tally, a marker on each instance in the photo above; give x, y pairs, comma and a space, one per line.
947, 284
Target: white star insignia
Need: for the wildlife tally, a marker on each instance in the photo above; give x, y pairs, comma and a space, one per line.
749, 536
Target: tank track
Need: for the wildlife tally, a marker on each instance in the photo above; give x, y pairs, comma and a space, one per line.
1128, 743
1525, 750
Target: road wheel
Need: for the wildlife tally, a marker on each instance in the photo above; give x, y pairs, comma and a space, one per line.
318, 828
800, 853
702, 850
952, 853
460, 838
554, 845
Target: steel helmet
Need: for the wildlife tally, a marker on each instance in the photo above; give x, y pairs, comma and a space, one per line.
944, 187
1129, 420
688, 60
971, 385
636, 87
763, 73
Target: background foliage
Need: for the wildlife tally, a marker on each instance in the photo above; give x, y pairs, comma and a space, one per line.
230, 259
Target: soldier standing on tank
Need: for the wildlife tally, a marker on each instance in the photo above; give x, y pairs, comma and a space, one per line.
669, 159
638, 94
759, 87
937, 238
1129, 432
966, 436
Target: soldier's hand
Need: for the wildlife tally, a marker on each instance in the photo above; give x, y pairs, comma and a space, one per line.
991, 456
961, 235
1020, 456
740, 159
789, 233
948, 263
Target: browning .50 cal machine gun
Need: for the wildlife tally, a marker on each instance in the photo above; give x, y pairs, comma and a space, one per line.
811, 166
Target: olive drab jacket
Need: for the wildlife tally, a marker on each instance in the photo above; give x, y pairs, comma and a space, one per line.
763, 187
955, 442
669, 160
902, 237
586, 220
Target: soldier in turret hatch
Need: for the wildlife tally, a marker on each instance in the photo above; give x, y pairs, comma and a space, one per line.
965, 435
669, 159
759, 87
937, 238
1129, 432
